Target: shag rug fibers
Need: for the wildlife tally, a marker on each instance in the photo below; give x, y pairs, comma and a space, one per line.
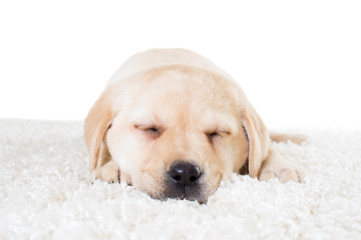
45, 193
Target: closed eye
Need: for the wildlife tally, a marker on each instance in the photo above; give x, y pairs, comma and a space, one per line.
150, 130
213, 135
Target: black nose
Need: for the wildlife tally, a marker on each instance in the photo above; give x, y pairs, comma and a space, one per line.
184, 174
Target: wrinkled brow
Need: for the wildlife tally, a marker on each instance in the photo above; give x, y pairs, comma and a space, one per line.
142, 116
210, 120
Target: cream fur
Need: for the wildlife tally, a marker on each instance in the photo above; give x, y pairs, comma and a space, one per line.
184, 97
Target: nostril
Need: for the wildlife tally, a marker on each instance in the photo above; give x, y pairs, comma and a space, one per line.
177, 178
193, 178
185, 173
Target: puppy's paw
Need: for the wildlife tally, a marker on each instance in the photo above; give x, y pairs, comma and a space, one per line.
110, 172
284, 174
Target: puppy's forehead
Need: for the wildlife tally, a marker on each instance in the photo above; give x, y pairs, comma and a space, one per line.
182, 84
175, 98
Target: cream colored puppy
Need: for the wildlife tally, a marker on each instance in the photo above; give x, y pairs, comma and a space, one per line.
172, 124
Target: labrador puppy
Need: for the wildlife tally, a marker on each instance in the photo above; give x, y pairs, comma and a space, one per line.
173, 125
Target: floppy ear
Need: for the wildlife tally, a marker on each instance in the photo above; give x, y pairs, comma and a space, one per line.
98, 121
258, 140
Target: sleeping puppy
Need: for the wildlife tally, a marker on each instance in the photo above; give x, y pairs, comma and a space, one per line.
173, 125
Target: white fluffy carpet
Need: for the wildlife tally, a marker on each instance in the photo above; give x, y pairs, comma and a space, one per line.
45, 194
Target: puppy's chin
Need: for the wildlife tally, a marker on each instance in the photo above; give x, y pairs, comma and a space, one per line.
196, 193
200, 198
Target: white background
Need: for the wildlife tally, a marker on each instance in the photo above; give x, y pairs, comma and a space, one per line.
299, 62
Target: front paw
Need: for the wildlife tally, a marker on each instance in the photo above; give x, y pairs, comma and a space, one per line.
284, 174
110, 173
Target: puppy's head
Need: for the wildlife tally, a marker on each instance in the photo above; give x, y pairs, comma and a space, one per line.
176, 132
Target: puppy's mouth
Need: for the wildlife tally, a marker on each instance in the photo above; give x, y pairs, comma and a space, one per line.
191, 193
184, 181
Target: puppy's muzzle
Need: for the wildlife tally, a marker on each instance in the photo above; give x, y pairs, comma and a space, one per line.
184, 181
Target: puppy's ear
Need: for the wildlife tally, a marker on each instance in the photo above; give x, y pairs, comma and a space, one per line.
258, 140
98, 121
